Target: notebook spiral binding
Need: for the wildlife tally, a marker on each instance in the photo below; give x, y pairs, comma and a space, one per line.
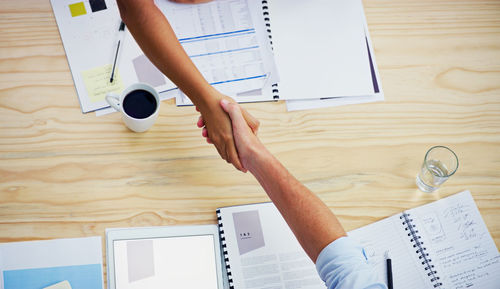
265, 13
421, 250
224, 250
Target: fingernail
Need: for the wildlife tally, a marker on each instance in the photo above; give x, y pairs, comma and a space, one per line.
224, 102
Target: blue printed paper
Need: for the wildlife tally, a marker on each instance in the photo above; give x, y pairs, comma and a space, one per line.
79, 277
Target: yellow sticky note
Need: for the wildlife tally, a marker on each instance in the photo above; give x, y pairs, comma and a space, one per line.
61, 285
77, 9
97, 82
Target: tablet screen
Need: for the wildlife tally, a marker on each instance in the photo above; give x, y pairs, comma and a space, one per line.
186, 262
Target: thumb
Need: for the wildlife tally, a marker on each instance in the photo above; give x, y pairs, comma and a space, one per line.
234, 111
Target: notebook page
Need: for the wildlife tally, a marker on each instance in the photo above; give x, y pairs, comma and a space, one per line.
389, 235
262, 250
458, 242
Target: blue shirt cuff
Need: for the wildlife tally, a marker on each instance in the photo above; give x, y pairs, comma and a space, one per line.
343, 264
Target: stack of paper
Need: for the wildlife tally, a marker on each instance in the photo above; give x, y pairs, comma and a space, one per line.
324, 53
321, 51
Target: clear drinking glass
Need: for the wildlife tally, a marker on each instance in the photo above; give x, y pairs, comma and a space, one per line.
440, 163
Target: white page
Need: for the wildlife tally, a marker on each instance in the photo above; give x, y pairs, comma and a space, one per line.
320, 49
458, 241
389, 235
263, 250
50, 253
89, 41
293, 105
171, 262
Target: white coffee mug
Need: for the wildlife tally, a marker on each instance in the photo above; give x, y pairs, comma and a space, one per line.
135, 124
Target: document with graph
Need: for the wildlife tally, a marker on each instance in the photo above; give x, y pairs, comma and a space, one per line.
228, 43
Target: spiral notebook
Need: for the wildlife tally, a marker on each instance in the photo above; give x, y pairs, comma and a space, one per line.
444, 244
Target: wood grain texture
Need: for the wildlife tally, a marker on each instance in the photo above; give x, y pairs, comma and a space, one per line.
68, 174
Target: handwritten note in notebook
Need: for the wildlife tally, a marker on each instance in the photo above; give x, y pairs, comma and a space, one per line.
444, 244
97, 82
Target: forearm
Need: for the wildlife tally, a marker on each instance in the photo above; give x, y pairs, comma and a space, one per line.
158, 41
312, 222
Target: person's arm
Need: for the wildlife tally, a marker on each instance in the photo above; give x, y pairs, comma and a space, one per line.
312, 222
158, 41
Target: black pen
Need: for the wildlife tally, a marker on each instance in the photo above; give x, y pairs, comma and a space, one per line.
121, 31
389, 269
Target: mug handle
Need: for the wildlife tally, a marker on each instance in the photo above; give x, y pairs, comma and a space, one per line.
114, 100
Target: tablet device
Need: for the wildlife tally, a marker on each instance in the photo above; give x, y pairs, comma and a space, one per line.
180, 257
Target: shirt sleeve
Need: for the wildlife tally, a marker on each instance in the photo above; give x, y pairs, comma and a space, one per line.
343, 264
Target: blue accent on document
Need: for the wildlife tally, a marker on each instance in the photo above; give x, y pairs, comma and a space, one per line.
79, 277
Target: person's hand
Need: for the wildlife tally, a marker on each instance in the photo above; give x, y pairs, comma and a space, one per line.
217, 129
247, 143
190, 1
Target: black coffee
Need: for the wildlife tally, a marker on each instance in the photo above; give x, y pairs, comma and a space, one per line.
139, 104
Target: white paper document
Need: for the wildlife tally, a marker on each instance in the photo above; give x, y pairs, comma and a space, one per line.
378, 95
165, 263
39, 264
320, 48
261, 250
228, 43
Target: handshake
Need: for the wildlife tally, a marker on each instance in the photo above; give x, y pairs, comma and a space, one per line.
233, 131
228, 127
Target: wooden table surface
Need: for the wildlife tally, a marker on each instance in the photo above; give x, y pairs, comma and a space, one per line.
68, 174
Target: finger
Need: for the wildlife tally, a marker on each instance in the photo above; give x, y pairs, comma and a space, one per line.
252, 122
233, 109
233, 157
204, 132
201, 122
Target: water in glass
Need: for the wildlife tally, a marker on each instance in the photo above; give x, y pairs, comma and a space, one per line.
432, 175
